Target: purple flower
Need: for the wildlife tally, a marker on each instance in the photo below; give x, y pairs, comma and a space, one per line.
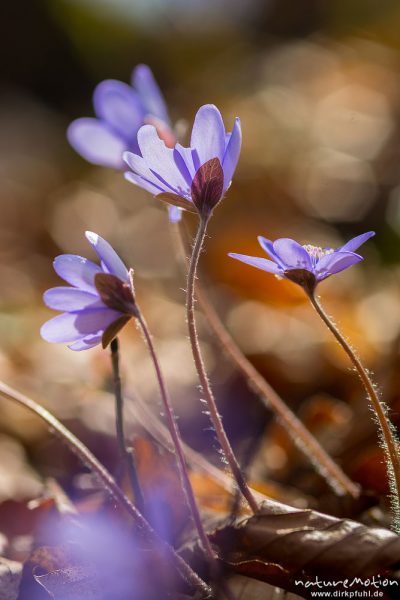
305, 265
193, 178
99, 302
121, 110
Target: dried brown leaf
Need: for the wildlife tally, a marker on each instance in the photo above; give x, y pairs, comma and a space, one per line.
161, 486
245, 588
307, 542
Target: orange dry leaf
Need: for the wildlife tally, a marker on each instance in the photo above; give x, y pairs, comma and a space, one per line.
165, 504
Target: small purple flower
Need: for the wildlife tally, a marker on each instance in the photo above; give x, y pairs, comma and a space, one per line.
193, 178
305, 265
121, 110
99, 302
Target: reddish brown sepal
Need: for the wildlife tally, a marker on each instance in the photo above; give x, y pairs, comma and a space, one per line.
207, 187
176, 200
113, 330
302, 277
115, 293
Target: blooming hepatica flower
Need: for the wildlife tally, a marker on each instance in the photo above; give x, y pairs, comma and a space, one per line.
305, 265
120, 110
98, 303
193, 178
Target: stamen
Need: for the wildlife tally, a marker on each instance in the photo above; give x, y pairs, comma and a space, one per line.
316, 252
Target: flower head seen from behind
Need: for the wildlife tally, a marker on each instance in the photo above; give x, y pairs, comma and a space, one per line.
98, 302
305, 265
121, 110
193, 178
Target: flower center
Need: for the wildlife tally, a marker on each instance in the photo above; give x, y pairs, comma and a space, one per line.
316, 252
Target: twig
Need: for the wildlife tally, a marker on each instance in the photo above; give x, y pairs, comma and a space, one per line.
125, 453
88, 459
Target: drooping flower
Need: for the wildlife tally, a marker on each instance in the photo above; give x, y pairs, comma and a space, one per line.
98, 302
121, 110
193, 178
305, 265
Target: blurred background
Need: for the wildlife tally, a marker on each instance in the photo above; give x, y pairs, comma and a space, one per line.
317, 87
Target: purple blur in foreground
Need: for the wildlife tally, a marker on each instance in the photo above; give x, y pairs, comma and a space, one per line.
98, 303
193, 178
305, 265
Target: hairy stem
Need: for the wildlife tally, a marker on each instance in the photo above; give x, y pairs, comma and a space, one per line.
125, 453
388, 436
89, 460
201, 371
303, 439
176, 438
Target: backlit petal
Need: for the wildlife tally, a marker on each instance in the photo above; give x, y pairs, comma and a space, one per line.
145, 84
292, 254
356, 242
76, 270
70, 327
259, 263
334, 263
107, 255
86, 343
160, 160
208, 135
97, 143
119, 106
70, 299
232, 154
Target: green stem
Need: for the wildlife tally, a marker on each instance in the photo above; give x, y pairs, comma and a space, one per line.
89, 460
125, 453
201, 371
389, 441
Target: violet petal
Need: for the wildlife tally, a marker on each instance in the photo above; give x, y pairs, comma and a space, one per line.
208, 135
77, 271
107, 255
86, 343
70, 327
119, 105
96, 142
334, 263
160, 160
187, 157
260, 263
232, 153
143, 81
140, 167
268, 247
356, 242
142, 182
292, 254
70, 299
175, 214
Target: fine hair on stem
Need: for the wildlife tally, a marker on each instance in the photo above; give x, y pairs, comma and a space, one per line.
335, 477
388, 437
226, 447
